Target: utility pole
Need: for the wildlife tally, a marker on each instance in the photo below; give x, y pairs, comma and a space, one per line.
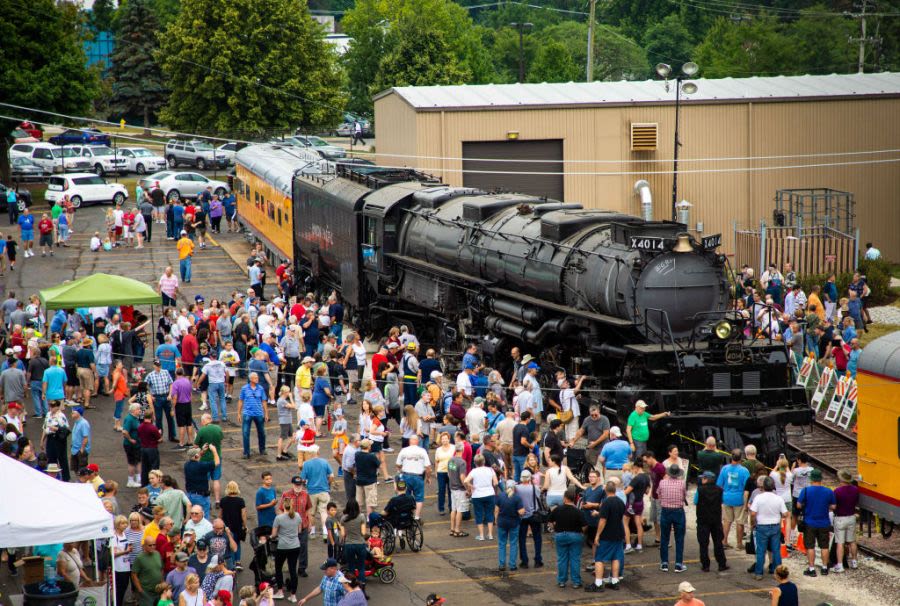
590, 43
522, 27
863, 40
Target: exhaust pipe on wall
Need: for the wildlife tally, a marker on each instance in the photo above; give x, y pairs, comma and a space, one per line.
642, 188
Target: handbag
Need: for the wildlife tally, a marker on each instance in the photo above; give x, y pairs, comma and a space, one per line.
566, 417
540, 508
750, 546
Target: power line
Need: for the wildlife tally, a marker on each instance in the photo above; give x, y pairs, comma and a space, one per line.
453, 158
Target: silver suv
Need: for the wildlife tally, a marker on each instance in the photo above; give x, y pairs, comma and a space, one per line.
195, 153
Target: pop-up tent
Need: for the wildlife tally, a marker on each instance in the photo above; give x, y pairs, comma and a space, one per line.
99, 290
39, 510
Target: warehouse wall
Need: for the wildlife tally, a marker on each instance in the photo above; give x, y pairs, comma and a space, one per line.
732, 130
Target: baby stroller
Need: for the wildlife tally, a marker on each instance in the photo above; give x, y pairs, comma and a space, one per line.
576, 460
263, 562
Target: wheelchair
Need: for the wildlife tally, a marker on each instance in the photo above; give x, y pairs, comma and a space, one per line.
405, 528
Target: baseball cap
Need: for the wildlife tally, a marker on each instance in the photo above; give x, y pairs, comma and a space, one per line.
434, 599
686, 587
15, 405
533, 366
18, 349
615, 431
93, 467
9, 351
411, 345
640, 404
213, 562
199, 299
263, 586
11, 436
329, 563
182, 557
224, 595
201, 544
393, 345
78, 409
708, 475
183, 233
156, 362
400, 483
436, 373
296, 480
815, 475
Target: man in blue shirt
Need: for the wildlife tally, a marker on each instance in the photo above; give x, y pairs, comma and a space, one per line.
81, 439
732, 479
252, 410
615, 453
54, 381
58, 322
26, 225
853, 358
266, 500
167, 354
816, 501
470, 357
318, 476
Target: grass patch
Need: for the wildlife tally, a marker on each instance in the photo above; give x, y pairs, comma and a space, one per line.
895, 270
876, 331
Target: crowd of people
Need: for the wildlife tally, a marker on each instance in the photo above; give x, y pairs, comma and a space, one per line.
512, 456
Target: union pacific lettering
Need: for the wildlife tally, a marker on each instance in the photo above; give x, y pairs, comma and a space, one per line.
316, 234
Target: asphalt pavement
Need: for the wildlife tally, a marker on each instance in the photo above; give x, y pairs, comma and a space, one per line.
460, 569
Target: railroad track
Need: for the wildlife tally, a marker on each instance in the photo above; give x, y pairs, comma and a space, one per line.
828, 448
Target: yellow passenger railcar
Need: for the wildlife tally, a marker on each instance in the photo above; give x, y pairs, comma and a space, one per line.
878, 415
262, 186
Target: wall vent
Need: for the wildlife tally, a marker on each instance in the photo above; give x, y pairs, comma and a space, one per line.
643, 136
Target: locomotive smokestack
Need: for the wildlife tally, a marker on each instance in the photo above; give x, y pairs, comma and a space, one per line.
642, 188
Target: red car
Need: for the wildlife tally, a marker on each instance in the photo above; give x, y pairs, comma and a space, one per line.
32, 129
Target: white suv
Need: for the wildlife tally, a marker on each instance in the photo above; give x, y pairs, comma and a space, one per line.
84, 188
103, 159
52, 158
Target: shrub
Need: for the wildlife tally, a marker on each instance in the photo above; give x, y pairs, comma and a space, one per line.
878, 276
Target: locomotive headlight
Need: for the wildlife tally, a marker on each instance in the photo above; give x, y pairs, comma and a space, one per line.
723, 329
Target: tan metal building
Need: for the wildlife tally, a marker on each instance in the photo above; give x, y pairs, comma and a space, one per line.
742, 140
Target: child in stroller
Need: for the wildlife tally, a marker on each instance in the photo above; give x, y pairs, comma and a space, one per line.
263, 564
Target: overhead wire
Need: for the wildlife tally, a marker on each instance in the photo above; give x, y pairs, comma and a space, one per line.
453, 158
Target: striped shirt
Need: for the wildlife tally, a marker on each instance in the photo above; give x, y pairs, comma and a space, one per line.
671, 493
134, 538
253, 400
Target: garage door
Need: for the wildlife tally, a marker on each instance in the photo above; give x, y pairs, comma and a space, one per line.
518, 176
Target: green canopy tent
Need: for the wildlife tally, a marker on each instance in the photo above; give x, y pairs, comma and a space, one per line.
99, 290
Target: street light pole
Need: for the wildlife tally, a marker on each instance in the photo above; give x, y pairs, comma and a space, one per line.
677, 145
688, 70
521, 27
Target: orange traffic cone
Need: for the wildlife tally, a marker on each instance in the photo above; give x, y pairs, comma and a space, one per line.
785, 537
800, 545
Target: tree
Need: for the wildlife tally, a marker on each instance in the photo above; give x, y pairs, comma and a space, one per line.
746, 49
248, 65
42, 64
616, 56
397, 42
166, 11
669, 41
821, 44
554, 63
137, 87
102, 15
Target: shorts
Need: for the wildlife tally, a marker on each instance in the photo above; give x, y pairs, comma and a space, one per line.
103, 370
459, 501
339, 443
183, 416
609, 551
47, 239
306, 455
733, 513
216, 474
483, 508
287, 430
655, 510
27, 235
377, 446
86, 379
72, 376
813, 536
637, 507
353, 376
118, 230
844, 529
319, 410
132, 454
367, 495
318, 503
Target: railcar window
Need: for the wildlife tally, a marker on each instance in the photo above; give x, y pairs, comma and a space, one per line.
279, 216
271, 209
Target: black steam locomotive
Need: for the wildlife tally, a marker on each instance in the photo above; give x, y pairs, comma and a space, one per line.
639, 306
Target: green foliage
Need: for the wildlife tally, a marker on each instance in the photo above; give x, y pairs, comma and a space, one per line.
820, 44
554, 63
166, 11
42, 63
102, 15
669, 41
411, 42
616, 56
137, 87
878, 277
505, 52
742, 49
248, 65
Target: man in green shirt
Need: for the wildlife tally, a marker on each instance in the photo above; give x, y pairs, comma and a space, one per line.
210, 433
147, 573
174, 501
710, 459
55, 212
639, 427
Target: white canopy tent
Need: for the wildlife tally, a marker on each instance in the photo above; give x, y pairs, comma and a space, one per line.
39, 510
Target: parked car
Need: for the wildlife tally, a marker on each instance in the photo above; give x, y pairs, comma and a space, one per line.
228, 150
196, 153
183, 185
81, 136
25, 169
141, 160
24, 197
20, 136
52, 158
318, 145
345, 128
103, 159
32, 129
84, 188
